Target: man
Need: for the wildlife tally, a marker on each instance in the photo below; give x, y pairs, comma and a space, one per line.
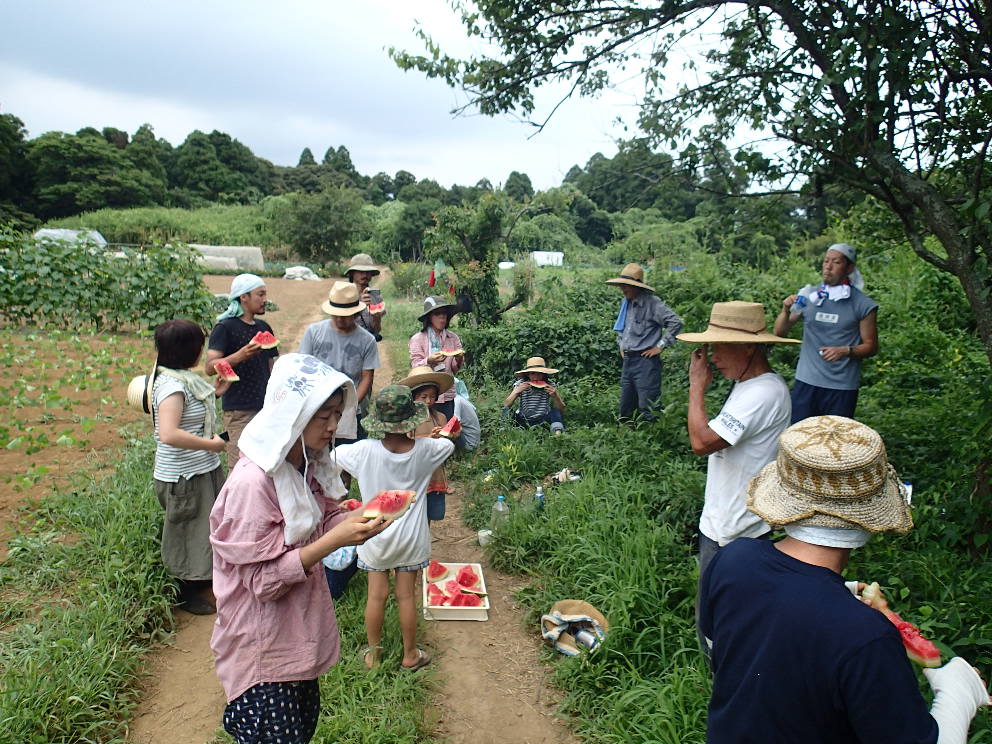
360, 272
796, 656
469, 419
743, 437
231, 340
839, 330
645, 326
339, 342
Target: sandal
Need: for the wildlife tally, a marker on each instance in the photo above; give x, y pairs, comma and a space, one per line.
423, 659
371, 656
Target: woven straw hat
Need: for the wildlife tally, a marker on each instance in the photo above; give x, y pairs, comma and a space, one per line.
361, 262
736, 323
536, 364
633, 275
437, 303
420, 376
343, 300
831, 471
394, 411
139, 390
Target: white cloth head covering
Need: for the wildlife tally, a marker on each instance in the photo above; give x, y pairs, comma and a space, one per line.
242, 284
851, 254
828, 537
298, 386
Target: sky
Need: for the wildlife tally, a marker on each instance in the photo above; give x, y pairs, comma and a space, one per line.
281, 76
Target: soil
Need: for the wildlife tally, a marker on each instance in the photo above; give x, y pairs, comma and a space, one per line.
494, 663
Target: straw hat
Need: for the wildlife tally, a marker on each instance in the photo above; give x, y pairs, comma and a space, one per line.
536, 364
736, 323
361, 262
420, 376
139, 390
831, 471
437, 303
394, 411
633, 275
343, 300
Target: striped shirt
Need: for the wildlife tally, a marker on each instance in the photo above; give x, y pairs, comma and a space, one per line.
173, 463
534, 404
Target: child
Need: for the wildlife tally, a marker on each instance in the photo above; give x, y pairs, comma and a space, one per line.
537, 404
390, 460
427, 386
272, 522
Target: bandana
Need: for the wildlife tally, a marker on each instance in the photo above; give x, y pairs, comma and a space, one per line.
829, 537
298, 387
621, 318
242, 284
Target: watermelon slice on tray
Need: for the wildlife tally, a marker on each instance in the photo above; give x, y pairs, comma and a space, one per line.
466, 600
918, 648
469, 580
265, 339
436, 598
389, 504
225, 371
437, 571
451, 429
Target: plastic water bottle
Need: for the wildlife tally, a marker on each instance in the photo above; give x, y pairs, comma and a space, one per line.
501, 512
539, 497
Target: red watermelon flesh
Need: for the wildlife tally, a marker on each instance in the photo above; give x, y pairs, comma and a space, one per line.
225, 371
389, 504
918, 648
452, 352
466, 600
437, 571
377, 307
539, 384
435, 597
452, 429
469, 580
265, 339
452, 588
351, 504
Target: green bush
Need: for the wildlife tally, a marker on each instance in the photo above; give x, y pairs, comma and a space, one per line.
73, 284
410, 280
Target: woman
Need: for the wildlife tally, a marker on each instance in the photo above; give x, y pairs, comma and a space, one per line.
188, 475
437, 347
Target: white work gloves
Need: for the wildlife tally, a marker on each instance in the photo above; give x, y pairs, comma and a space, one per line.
958, 693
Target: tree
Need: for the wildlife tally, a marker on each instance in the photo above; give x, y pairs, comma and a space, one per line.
322, 226
15, 176
306, 158
518, 187
889, 97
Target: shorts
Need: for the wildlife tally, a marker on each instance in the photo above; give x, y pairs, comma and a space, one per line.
366, 567
435, 505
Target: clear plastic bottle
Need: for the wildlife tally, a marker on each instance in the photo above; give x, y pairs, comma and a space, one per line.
539, 497
501, 512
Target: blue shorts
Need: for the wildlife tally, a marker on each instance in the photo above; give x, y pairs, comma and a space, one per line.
811, 400
365, 567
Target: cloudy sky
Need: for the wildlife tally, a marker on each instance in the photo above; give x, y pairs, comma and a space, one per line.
281, 76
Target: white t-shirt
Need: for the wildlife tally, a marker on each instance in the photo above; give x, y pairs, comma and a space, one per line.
469, 418
406, 542
751, 420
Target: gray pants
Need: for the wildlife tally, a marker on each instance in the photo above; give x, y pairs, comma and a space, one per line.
186, 550
640, 385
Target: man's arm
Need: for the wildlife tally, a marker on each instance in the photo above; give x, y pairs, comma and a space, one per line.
784, 320
703, 439
364, 384
868, 329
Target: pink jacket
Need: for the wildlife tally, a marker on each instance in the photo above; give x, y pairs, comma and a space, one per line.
275, 622
420, 349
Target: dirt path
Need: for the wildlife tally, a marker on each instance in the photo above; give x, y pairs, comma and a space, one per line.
494, 664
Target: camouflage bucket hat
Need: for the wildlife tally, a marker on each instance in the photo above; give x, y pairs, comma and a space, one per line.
394, 411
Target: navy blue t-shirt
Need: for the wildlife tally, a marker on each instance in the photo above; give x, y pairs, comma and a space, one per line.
248, 393
797, 658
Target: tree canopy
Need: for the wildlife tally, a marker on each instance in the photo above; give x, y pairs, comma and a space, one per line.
890, 97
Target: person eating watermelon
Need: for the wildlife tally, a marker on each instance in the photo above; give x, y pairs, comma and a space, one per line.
797, 655
427, 386
539, 399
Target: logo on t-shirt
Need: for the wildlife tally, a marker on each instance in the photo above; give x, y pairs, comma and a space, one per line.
822, 317
734, 427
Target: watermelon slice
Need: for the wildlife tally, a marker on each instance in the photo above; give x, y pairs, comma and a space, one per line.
435, 597
225, 371
389, 504
467, 576
466, 600
540, 384
265, 339
452, 352
437, 571
452, 429
451, 587
377, 307
918, 648
351, 504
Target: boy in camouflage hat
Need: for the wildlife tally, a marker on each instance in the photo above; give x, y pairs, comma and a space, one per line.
392, 460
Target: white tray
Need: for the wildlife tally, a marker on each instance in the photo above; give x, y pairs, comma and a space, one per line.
457, 613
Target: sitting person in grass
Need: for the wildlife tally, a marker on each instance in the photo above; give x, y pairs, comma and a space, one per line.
539, 400
427, 386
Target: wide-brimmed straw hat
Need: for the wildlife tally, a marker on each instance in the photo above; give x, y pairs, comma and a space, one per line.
420, 376
437, 303
536, 364
139, 390
831, 471
343, 300
394, 411
361, 262
633, 275
736, 323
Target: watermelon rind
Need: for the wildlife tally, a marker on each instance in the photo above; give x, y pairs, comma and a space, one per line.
399, 502
265, 339
437, 571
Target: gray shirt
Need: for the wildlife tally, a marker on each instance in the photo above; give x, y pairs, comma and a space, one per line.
471, 430
650, 322
350, 353
833, 323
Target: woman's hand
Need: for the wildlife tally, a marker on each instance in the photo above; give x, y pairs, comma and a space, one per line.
436, 432
216, 444
435, 358
221, 386
355, 529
